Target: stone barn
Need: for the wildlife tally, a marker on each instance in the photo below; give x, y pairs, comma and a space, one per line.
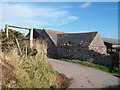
83, 46
88, 40
112, 45
56, 40
50, 37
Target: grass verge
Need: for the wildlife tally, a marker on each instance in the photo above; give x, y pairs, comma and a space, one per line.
96, 66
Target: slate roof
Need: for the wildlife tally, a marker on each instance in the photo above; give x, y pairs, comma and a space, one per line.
111, 41
53, 34
81, 38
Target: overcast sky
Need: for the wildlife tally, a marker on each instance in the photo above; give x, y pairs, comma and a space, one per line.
64, 16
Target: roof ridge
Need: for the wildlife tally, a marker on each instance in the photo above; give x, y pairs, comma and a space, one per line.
82, 32
53, 30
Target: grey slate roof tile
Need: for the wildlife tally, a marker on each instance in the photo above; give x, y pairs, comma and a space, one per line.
81, 38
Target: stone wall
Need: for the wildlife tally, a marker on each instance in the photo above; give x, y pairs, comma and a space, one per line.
84, 54
99, 49
51, 47
98, 45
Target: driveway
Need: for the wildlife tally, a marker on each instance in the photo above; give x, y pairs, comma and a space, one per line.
84, 77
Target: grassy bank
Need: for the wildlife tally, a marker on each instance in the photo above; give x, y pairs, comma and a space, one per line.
96, 66
27, 72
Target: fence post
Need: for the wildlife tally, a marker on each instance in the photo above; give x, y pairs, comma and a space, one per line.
26, 51
18, 46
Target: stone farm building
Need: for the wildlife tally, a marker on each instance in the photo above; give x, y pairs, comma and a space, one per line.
112, 45
50, 37
82, 46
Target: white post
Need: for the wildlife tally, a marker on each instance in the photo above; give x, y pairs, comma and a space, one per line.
31, 37
6, 30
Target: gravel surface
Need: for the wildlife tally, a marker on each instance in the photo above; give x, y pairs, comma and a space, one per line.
85, 77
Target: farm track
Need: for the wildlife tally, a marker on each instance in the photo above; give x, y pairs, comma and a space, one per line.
85, 77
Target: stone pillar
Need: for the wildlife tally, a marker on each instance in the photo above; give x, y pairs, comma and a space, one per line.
6, 30
31, 37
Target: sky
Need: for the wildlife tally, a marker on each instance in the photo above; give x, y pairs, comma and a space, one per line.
71, 17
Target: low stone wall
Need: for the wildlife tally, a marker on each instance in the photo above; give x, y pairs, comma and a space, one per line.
84, 54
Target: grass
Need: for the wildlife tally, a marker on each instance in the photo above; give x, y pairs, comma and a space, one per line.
30, 72
96, 66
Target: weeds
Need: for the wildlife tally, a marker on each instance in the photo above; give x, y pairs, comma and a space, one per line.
31, 72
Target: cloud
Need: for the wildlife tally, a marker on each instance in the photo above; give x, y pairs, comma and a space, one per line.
85, 5
29, 15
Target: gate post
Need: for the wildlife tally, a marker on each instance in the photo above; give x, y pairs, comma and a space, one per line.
6, 30
31, 37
